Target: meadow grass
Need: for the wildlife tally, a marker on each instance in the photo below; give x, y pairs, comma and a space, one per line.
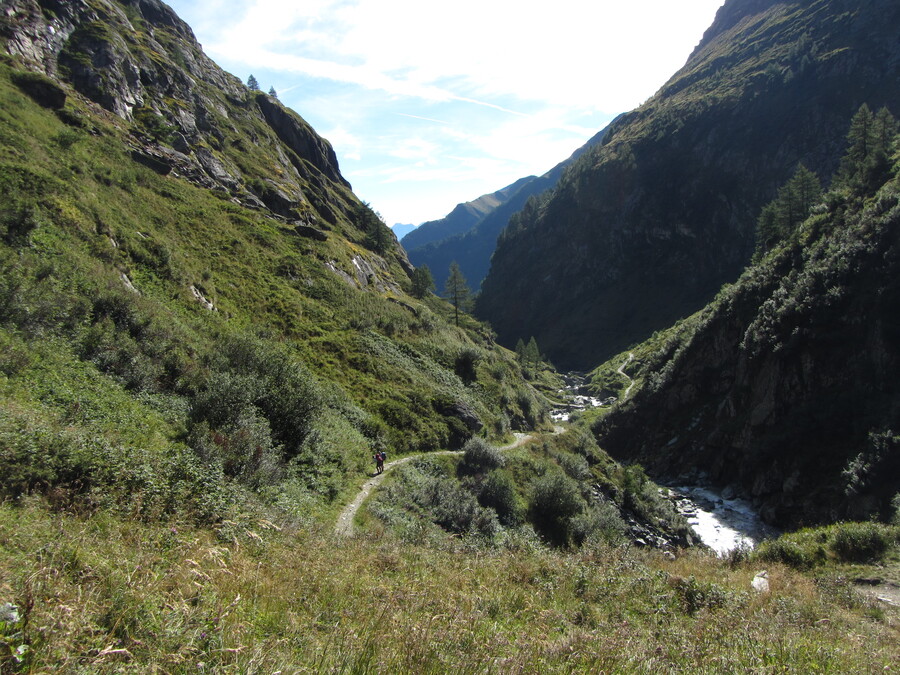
103, 595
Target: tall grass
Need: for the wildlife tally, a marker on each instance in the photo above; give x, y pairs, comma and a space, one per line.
105, 595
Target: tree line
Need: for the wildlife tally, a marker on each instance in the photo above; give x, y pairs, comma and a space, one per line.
871, 141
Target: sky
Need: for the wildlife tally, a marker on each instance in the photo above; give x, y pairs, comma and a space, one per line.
429, 104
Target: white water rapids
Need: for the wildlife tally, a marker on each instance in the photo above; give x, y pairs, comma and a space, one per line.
722, 524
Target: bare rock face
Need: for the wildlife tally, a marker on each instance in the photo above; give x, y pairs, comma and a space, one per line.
138, 60
299, 137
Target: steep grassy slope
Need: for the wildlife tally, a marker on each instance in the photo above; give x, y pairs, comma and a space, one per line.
785, 387
181, 324
645, 228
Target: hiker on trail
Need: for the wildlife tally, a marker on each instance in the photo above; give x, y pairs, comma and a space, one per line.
379, 462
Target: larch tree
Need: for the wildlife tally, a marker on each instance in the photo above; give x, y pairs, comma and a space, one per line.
456, 290
422, 282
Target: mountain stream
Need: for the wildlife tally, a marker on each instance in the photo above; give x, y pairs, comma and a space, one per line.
722, 524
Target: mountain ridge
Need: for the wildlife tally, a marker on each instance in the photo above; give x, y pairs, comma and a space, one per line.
473, 247
645, 227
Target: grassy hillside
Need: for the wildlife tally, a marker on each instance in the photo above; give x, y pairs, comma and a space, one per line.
151, 320
103, 595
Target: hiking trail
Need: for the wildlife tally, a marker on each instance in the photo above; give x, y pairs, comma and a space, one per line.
621, 371
344, 525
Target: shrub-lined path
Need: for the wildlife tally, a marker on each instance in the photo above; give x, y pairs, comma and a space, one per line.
344, 526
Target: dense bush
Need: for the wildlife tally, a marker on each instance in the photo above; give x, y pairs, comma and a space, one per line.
849, 542
498, 492
555, 500
465, 364
425, 488
44, 90
479, 456
789, 553
242, 447
860, 542
248, 371
78, 470
598, 522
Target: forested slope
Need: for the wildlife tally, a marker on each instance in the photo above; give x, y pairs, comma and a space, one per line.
786, 386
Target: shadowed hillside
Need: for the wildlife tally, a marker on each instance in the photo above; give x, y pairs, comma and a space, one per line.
644, 228
784, 388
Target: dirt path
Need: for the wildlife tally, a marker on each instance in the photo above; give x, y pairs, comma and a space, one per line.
344, 525
621, 371
883, 591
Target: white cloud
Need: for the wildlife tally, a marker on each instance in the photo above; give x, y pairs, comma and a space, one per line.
603, 56
446, 97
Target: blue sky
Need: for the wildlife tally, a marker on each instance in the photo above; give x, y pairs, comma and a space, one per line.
429, 104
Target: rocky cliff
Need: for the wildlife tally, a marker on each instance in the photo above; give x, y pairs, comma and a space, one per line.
785, 388
140, 62
645, 228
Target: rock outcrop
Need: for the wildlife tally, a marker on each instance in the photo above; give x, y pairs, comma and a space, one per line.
139, 61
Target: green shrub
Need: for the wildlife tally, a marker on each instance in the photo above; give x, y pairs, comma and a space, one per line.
860, 542
249, 371
425, 489
243, 448
154, 124
600, 521
456, 509
18, 219
498, 492
787, 552
574, 466
555, 500
40, 88
465, 364
695, 595
479, 456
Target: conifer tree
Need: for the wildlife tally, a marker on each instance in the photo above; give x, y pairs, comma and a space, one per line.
422, 282
378, 237
520, 351
456, 290
886, 129
272, 92
870, 144
252, 82
532, 353
791, 206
